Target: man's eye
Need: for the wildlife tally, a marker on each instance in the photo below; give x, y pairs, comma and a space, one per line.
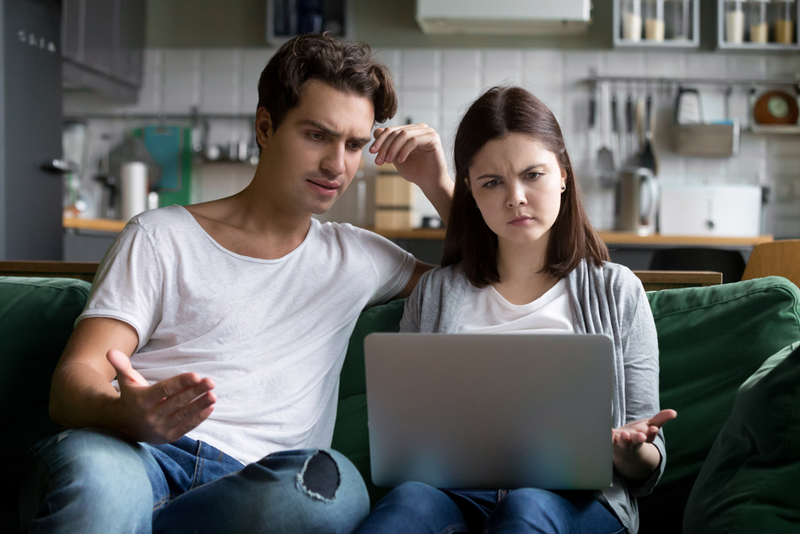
315, 136
356, 146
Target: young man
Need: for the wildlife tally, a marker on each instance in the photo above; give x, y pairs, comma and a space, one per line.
226, 325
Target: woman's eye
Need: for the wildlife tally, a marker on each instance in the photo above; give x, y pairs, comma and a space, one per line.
490, 184
533, 175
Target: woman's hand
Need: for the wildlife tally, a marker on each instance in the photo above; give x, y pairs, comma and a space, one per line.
635, 456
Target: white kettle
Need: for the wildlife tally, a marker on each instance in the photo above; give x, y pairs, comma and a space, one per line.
636, 201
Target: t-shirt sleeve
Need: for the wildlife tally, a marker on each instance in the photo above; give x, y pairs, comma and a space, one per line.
393, 266
127, 286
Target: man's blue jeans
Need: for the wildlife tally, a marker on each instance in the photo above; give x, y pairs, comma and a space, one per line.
418, 508
96, 481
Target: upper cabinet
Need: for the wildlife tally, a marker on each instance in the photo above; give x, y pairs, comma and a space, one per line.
657, 23
102, 43
288, 18
757, 24
504, 17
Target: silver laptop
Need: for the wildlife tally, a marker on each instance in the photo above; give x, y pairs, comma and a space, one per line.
490, 410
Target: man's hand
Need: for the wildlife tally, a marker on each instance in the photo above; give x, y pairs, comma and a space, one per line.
163, 412
416, 151
632, 457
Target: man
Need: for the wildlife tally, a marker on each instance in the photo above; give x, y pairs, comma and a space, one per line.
226, 325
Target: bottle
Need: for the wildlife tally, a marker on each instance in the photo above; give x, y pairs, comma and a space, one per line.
654, 20
632, 20
784, 21
734, 21
759, 25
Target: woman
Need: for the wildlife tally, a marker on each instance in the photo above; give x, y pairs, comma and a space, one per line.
520, 255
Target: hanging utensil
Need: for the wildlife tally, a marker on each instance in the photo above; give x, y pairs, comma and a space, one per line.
647, 157
605, 156
630, 141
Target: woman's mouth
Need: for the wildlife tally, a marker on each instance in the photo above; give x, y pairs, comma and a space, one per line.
520, 221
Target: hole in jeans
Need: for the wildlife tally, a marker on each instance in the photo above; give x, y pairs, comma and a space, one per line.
319, 477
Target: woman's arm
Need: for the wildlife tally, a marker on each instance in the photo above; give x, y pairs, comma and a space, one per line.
635, 456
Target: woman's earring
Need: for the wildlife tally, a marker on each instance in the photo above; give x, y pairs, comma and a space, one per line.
563, 188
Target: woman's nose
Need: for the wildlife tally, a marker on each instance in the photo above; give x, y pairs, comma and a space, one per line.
516, 196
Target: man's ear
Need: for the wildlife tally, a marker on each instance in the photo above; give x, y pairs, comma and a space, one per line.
263, 127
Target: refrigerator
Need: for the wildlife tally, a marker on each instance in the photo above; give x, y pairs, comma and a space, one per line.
31, 187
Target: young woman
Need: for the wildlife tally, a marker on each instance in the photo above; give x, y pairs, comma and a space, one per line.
520, 255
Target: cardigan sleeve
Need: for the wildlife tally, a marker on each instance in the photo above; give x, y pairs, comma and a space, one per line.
640, 356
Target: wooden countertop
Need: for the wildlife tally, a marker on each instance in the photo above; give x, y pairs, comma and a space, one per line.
610, 238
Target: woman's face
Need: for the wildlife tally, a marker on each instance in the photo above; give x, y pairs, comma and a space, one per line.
516, 183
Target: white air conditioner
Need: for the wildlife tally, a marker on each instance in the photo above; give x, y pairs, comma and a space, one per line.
504, 17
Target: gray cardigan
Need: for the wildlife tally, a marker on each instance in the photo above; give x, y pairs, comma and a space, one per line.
606, 300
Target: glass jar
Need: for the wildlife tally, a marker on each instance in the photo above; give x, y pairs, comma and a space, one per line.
678, 14
759, 23
654, 20
784, 21
632, 20
734, 21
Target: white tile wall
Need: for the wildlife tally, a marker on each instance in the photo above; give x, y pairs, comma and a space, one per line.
436, 86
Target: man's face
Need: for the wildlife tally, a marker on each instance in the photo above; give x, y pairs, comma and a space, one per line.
314, 154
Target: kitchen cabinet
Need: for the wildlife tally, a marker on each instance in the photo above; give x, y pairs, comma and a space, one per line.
289, 18
758, 25
656, 23
102, 45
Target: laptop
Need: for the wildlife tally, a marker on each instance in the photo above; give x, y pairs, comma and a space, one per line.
490, 410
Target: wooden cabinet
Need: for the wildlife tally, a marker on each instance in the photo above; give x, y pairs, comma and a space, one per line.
102, 44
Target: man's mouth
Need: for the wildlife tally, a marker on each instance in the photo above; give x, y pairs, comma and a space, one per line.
324, 187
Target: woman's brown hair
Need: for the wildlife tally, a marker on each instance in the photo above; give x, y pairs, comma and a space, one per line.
344, 65
496, 113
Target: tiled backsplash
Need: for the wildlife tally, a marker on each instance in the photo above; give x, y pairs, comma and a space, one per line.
436, 85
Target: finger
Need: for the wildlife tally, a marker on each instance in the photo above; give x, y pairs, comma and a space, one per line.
126, 374
184, 397
407, 139
421, 141
189, 417
662, 417
171, 386
380, 137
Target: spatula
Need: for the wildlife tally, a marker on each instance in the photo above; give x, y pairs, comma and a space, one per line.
605, 157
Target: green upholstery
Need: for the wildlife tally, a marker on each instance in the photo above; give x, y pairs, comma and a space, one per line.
36, 319
710, 340
749, 480
350, 436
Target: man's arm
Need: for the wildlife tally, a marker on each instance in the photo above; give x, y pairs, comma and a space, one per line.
416, 151
81, 393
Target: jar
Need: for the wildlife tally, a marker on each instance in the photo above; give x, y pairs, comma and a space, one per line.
734, 21
654, 20
784, 21
632, 20
678, 13
759, 23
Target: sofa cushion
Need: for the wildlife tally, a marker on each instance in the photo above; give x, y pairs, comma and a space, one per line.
749, 480
36, 319
710, 340
350, 435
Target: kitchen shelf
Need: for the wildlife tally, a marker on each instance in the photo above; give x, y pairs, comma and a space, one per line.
722, 44
785, 129
693, 42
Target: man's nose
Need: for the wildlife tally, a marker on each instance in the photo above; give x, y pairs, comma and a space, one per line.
334, 160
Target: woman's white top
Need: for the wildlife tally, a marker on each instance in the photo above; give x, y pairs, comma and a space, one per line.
486, 311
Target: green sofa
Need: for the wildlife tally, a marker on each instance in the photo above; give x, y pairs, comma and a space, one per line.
728, 366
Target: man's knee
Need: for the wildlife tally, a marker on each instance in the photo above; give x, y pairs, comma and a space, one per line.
94, 472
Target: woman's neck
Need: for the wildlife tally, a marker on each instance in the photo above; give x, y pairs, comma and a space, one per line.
520, 268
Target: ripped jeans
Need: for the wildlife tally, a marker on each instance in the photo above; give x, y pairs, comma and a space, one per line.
96, 481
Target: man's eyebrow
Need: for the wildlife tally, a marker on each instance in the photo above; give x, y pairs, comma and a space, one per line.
332, 133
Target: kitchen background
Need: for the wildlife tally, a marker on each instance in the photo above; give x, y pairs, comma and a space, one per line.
202, 63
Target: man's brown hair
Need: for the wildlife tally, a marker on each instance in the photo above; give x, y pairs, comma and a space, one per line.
496, 113
344, 65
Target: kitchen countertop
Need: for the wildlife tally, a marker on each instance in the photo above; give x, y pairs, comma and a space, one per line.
610, 238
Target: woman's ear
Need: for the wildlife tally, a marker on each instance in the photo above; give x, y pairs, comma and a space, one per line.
466, 181
263, 127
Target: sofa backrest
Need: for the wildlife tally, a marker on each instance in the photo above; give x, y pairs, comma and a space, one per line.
36, 319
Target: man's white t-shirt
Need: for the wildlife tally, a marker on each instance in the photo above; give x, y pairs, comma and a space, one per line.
272, 334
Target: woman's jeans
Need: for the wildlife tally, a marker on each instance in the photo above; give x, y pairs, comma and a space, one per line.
417, 508
96, 481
